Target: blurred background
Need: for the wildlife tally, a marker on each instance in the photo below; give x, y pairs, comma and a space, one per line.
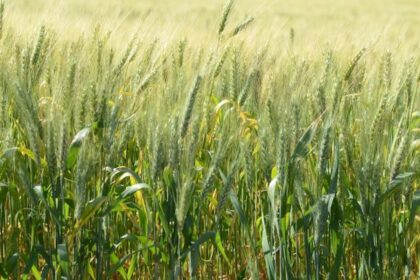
312, 23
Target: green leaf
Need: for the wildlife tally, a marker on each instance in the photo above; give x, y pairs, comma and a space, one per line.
4, 189
91, 208
11, 263
36, 273
164, 220
75, 147
9, 152
90, 271
219, 245
132, 266
128, 191
63, 257
132, 189
244, 222
195, 249
118, 265
335, 270
415, 203
3, 272
44, 271
127, 172
301, 149
29, 263
267, 250
40, 194
400, 179
328, 199
393, 187
334, 173
238, 209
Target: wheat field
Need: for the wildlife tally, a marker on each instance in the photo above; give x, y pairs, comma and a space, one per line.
209, 139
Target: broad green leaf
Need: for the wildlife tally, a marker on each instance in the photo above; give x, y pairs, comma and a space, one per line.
75, 147
338, 257
36, 273
11, 262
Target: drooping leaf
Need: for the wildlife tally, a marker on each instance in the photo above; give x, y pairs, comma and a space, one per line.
75, 147
132, 189
301, 149
91, 208
195, 249
40, 194
9, 152
393, 187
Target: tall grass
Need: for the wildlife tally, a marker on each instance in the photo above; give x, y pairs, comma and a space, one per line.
181, 162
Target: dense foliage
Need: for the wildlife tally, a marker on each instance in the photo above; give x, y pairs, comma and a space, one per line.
184, 162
